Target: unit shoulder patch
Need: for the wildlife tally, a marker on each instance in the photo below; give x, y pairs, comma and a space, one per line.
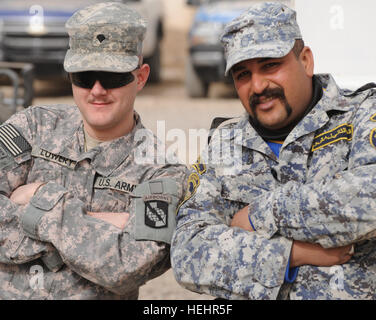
155, 204
342, 132
156, 213
199, 167
193, 183
372, 138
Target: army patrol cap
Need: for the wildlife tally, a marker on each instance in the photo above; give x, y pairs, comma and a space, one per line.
265, 30
104, 37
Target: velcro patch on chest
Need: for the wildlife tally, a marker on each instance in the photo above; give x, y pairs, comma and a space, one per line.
114, 184
342, 132
12, 141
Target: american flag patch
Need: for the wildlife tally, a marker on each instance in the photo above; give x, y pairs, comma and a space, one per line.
12, 140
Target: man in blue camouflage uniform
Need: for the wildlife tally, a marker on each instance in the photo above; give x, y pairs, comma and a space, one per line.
289, 210
83, 214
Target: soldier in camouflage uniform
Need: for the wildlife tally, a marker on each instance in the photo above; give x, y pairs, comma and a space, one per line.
294, 194
83, 215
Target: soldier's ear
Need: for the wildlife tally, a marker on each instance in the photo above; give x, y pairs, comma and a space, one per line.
306, 58
142, 75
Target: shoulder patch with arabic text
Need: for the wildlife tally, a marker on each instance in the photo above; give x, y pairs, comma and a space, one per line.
342, 132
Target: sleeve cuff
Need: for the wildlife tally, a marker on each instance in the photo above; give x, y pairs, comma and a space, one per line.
30, 221
291, 273
53, 261
46, 197
261, 215
250, 221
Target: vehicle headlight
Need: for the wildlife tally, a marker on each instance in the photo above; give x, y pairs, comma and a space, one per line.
205, 33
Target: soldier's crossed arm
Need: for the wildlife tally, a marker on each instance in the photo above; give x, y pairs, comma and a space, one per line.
117, 259
333, 212
209, 256
14, 167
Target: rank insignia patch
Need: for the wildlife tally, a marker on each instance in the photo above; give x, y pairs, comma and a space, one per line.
342, 132
373, 118
12, 140
372, 138
156, 214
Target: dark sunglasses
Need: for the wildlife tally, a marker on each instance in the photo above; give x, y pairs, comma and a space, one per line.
108, 80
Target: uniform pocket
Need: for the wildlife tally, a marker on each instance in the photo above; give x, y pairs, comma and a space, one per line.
107, 200
47, 196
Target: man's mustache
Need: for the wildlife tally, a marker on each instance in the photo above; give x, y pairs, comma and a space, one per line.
276, 93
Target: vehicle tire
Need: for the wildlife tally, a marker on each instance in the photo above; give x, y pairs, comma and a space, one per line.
155, 65
196, 88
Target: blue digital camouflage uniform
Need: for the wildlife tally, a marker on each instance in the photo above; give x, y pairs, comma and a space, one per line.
324, 192
320, 189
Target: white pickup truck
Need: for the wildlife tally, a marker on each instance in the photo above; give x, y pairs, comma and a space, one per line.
33, 31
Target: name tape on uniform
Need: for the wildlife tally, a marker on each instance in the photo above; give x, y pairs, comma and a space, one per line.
114, 183
44, 154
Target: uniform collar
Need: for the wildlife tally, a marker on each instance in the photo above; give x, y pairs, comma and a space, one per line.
109, 155
104, 158
68, 137
251, 139
332, 100
333, 97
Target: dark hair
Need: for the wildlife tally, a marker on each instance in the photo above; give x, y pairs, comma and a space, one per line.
298, 47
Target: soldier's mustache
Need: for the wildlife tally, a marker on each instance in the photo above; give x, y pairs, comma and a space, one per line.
276, 93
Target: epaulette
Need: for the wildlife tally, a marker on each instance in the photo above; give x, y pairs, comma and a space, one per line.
367, 86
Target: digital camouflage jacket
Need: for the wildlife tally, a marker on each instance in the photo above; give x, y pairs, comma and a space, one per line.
50, 248
321, 189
